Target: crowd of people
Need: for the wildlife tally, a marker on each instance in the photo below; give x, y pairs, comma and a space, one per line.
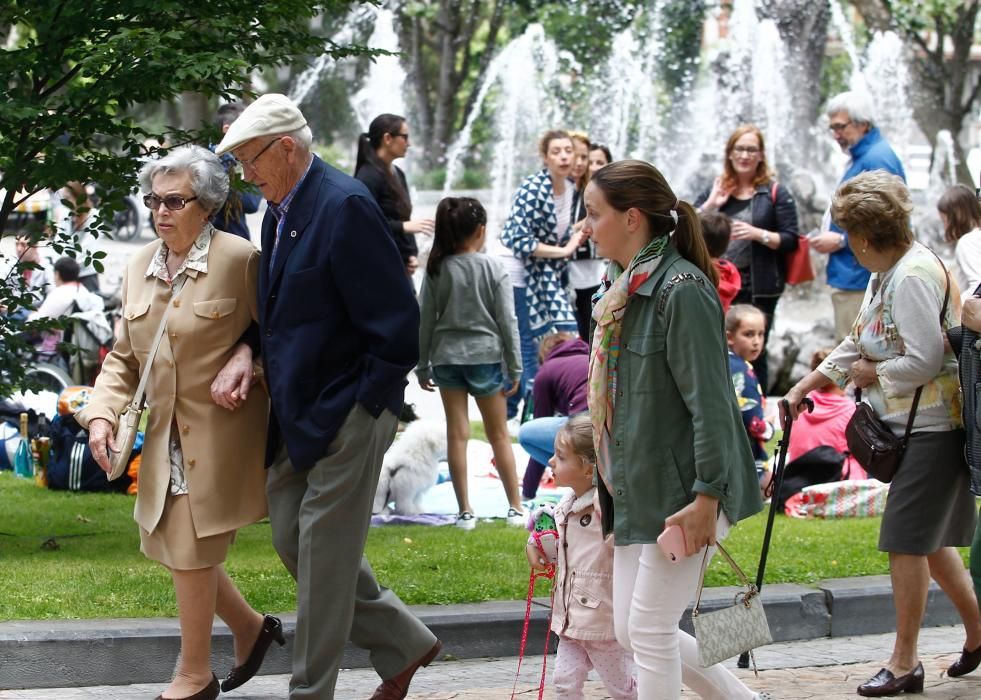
617, 306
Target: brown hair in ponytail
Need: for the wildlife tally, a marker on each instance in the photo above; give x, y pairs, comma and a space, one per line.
368, 144
635, 184
457, 220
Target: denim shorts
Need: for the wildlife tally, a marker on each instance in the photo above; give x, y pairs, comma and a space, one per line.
477, 380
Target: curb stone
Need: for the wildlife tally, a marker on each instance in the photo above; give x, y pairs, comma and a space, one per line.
74, 653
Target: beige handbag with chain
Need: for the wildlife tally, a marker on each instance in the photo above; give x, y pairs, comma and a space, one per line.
129, 419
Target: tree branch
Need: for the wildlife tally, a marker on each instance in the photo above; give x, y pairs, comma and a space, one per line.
496, 20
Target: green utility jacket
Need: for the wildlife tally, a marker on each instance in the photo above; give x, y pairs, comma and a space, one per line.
677, 430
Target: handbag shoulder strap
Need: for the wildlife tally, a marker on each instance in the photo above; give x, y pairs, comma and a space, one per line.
140, 396
732, 563
919, 389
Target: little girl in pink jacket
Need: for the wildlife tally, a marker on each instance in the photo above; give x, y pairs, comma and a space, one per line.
582, 609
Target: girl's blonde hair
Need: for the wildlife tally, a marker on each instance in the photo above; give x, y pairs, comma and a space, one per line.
577, 433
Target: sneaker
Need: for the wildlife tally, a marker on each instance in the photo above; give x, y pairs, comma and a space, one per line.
516, 518
466, 521
514, 426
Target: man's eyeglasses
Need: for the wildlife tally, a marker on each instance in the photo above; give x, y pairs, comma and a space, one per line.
174, 202
251, 162
835, 128
747, 150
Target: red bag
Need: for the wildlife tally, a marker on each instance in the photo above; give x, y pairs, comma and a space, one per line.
797, 261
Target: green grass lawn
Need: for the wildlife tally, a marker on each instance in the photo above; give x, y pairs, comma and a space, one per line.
68, 555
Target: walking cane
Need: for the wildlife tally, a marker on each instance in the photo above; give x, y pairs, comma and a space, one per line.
773, 491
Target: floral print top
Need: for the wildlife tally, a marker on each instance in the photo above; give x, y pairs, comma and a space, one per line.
899, 329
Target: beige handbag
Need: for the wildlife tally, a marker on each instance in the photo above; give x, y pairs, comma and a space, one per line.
129, 419
725, 633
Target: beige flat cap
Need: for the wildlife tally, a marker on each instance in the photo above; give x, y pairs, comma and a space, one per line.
270, 114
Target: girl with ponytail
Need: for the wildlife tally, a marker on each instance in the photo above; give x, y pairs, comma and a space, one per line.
670, 443
387, 138
467, 329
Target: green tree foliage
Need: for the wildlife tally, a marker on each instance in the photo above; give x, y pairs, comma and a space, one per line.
584, 29
75, 70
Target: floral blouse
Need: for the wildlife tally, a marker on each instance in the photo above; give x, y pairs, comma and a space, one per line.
899, 329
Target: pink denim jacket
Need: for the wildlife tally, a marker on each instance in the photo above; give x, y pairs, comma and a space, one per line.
583, 604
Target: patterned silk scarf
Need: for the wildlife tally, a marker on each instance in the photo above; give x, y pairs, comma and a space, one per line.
609, 306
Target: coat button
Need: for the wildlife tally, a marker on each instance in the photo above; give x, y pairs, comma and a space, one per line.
292, 234
583, 600
186, 429
173, 334
214, 314
269, 334
177, 303
619, 492
191, 462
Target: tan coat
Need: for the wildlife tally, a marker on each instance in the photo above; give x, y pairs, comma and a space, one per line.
223, 450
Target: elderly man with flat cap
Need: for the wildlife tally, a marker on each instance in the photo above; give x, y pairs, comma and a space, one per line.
339, 328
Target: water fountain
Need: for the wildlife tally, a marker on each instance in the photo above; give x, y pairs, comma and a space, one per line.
526, 91
382, 90
309, 78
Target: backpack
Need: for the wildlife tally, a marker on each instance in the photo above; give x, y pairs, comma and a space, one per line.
71, 466
820, 465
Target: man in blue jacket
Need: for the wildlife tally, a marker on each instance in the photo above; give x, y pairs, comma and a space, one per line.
851, 125
338, 326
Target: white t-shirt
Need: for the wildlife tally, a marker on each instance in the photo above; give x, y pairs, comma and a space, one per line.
585, 274
967, 261
563, 213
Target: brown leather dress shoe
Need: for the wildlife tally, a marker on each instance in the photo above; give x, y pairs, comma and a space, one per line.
885, 683
208, 692
968, 662
398, 687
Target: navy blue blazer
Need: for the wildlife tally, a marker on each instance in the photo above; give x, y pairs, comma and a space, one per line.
338, 318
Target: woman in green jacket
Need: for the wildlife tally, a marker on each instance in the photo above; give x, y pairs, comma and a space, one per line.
670, 441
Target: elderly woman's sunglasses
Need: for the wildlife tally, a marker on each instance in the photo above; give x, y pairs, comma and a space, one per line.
174, 202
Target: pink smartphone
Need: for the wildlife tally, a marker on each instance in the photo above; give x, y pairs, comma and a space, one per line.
672, 543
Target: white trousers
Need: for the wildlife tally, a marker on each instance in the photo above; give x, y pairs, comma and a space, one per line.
650, 594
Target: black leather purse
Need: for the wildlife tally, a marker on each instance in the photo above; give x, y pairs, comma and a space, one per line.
873, 444
870, 441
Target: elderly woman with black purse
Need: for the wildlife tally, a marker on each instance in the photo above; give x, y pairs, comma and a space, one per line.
896, 347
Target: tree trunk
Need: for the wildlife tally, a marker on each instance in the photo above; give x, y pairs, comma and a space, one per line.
438, 60
195, 111
803, 26
410, 34
448, 26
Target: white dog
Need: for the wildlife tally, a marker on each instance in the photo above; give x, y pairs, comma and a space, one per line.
410, 467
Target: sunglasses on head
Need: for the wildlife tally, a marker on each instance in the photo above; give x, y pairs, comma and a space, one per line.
174, 202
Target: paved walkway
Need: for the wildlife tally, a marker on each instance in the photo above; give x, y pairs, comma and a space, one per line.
821, 669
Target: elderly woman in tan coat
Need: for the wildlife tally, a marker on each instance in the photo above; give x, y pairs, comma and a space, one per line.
202, 473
